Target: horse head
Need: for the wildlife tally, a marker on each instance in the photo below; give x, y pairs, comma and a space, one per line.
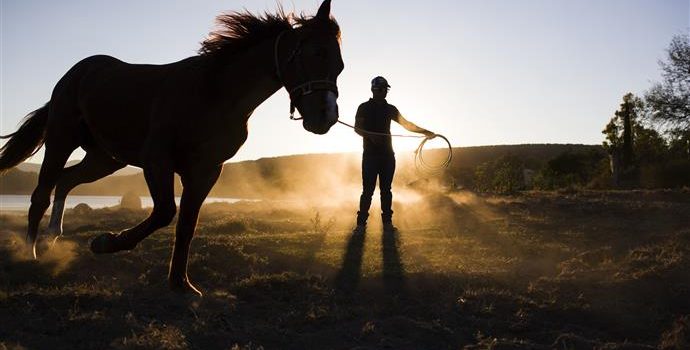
308, 61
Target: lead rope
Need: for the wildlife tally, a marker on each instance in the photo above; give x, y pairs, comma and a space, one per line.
420, 164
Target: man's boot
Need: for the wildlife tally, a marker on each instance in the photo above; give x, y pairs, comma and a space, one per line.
388, 227
361, 223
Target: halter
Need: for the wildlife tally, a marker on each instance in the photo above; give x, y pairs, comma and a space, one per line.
303, 89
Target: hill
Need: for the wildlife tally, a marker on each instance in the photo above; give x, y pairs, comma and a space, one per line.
310, 175
35, 167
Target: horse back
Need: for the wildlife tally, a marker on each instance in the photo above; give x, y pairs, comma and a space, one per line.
116, 101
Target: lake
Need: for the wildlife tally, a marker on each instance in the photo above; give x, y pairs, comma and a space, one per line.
21, 202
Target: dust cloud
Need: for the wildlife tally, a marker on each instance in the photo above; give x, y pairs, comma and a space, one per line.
54, 257
327, 181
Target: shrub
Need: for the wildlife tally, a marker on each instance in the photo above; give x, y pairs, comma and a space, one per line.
82, 209
130, 200
570, 170
674, 173
502, 175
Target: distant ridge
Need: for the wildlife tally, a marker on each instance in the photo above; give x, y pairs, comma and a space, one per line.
34, 167
293, 175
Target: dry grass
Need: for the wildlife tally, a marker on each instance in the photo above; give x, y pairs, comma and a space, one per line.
606, 270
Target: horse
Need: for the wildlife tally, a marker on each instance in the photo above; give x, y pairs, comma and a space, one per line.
187, 117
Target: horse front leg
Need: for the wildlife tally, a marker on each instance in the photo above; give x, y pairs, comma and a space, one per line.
197, 183
160, 180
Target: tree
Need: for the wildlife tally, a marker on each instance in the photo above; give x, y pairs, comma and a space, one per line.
620, 129
679, 144
630, 144
669, 100
649, 146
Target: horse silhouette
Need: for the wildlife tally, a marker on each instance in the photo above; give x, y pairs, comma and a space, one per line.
186, 117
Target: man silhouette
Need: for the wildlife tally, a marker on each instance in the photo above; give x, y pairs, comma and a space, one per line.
378, 158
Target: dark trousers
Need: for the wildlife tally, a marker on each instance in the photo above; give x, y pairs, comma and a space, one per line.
381, 166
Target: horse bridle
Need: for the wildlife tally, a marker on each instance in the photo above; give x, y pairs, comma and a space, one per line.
303, 89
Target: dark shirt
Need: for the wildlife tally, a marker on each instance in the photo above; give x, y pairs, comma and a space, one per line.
376, 116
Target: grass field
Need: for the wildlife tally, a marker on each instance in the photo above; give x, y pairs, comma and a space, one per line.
580, 270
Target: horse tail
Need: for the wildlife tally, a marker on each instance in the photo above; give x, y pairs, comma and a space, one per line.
26, 141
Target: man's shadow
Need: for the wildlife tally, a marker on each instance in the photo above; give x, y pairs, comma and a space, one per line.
348, 277
393, 268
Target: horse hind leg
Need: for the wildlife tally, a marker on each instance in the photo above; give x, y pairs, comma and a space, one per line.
95, 165
54, 160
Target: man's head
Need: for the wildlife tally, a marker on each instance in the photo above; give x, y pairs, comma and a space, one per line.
379, 88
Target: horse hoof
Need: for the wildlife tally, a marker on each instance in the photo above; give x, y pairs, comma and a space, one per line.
53, 240
186, 288
53, 232
106, 243
31, 249
30, 245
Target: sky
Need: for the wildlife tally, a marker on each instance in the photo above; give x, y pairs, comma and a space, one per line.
479, 72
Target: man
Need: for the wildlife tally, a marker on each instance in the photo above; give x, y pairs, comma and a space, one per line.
378, 158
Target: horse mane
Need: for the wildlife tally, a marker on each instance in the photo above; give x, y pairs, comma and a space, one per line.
238, 31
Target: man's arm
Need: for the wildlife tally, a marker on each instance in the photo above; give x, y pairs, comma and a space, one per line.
410, 126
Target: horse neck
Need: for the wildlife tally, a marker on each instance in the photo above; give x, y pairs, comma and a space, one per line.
249, 79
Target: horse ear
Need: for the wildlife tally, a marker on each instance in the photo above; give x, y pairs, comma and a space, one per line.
324, 10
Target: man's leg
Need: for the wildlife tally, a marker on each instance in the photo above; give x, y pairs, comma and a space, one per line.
385, 182
369, 173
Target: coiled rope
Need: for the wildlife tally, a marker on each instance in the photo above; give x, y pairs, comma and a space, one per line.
420, 164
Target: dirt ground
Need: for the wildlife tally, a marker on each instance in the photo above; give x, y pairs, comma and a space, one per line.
575, 270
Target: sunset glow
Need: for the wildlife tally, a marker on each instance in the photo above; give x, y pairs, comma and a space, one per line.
477, 72
345, 174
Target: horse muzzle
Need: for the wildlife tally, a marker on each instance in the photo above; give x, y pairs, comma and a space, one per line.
324, 117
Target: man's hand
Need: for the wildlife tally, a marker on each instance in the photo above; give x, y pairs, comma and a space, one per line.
429, 134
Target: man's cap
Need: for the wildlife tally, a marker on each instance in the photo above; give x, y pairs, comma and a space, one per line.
379, 82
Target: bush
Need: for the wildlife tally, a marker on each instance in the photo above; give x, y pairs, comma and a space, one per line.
503, 175
570, 170
674, 173
130, 200
82, 209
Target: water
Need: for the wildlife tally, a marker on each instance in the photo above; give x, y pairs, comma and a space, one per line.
22, 202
